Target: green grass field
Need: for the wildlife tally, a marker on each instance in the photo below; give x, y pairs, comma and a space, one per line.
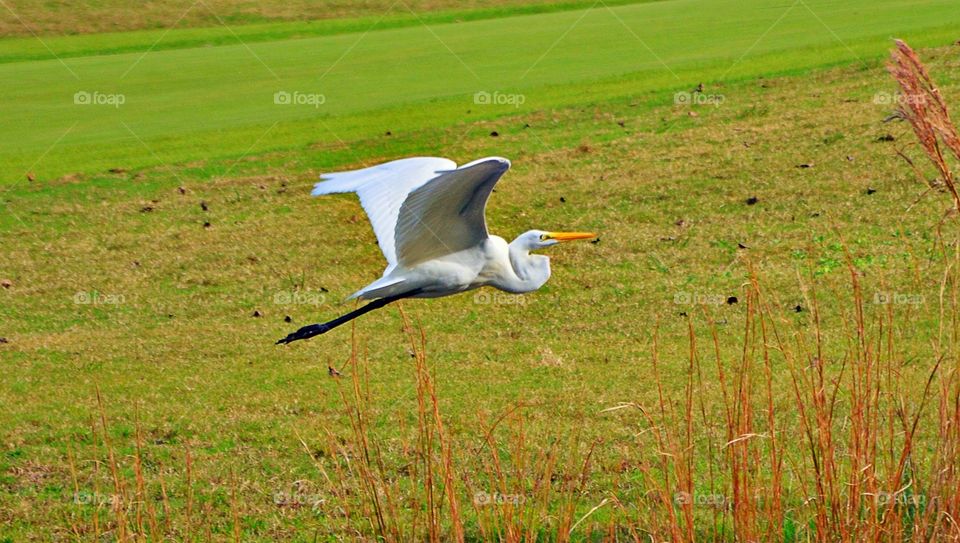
155, 249
199, 103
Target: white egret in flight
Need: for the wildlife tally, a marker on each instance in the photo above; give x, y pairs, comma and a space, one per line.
428, 216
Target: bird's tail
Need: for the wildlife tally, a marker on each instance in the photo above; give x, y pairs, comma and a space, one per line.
381, 288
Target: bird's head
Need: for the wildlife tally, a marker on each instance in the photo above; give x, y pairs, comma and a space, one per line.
533, 240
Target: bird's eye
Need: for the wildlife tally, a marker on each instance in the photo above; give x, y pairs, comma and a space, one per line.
543, 237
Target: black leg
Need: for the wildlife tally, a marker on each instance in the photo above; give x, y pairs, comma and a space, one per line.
317, 329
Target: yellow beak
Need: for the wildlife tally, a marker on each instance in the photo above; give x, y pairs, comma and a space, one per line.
570, 236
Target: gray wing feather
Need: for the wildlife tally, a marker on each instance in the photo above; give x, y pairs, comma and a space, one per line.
446, 214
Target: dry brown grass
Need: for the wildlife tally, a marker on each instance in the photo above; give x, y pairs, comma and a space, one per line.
25, 17
855, 475
922, 105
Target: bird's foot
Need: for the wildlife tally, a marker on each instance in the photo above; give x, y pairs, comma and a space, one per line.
305, 333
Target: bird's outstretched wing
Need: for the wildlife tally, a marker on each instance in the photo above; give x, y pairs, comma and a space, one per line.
446, 214
382, 190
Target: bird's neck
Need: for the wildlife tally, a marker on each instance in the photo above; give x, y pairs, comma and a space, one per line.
531, 271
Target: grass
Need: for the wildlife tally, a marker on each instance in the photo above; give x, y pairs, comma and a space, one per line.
220, 29
135, 365
218, 102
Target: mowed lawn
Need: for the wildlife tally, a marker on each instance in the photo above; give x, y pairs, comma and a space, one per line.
165, 283
154, 106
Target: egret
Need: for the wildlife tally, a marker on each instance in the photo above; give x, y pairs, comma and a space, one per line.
428, 217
